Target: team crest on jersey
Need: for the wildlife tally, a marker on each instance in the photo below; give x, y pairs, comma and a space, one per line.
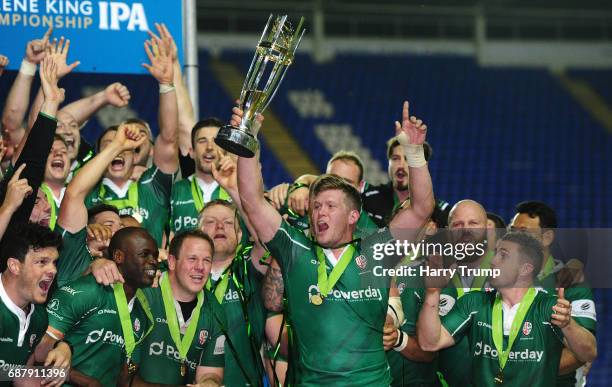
203, 336
361, 261
32, 339
136, 325
527, 328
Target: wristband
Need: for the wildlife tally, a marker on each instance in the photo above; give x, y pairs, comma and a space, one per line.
295, 186
402, 341
415, 155
27, 68
165, 88
395, 310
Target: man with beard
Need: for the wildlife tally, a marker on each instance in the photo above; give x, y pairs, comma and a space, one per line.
336, 315
105, 324
24, 286
187, 319
515, 333
540, 221
150, 196
190, 194
381, 201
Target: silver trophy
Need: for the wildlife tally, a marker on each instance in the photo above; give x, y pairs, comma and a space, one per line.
274, 54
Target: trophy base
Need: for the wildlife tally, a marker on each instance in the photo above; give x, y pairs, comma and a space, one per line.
236, 141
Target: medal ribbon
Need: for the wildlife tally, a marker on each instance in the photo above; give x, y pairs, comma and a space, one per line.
198, 196
478, 282
124, 317
547, 269
324, 283
182, 345
130, 202
221, 286
51, 200
498, 325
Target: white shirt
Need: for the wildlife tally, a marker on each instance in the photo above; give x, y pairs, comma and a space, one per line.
207, 189
120, 192
24, 321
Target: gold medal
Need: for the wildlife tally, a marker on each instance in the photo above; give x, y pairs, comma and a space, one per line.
316, 299
499, 379
131, 367
183, 369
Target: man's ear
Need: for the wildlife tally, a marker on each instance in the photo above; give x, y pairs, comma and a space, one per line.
118, 257
14, 266
353, 217
171, 262
548, 237
527, 269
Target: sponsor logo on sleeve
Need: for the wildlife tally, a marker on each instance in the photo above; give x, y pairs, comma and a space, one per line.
446, 304
219, 346
53, 304
584, 308
71, 291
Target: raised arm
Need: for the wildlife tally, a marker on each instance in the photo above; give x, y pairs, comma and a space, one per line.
411, 133
262, 216
17, 190
4, 61
18, 99
578, 339
114, 94
73, 213
59, 52
165, 154
430, 332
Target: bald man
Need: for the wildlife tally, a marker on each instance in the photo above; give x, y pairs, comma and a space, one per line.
467, 222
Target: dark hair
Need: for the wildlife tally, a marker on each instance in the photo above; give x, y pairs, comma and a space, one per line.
25, 237
207, 122
177, 241
529, 247
112, 128
98, 209
393, 142
327, 182
348, 156
533, 208
117, 242
440, 213
498, 220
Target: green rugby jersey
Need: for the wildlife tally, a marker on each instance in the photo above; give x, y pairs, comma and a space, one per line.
406, 372
86, 313
74, 257
534, 357
248, 277
158, 357
183, 208
340, 341
150, 198
20, 333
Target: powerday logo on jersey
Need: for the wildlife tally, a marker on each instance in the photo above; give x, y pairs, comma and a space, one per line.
369, 294
527, 328
525, 355
203, 336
